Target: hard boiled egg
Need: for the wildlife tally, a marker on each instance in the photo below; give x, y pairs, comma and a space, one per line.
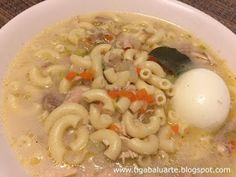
201, 98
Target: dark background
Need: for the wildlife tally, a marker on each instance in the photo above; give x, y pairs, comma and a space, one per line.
222, 10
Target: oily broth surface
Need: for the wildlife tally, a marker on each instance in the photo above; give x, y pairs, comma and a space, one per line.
24, 125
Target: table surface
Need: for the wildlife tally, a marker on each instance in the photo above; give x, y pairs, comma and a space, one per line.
222, 10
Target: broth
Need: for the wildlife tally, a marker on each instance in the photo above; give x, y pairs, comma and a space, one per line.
28, 102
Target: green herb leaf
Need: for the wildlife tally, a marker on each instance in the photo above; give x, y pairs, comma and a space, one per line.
171, 60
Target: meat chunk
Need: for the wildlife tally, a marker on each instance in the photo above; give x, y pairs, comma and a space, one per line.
111, 59
220, 135
100, 37
126, 41
221, 138
52, 100
74, 96
127, 65
124, 65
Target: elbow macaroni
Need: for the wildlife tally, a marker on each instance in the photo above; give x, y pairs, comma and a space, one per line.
99, 95
154, 67
160, 97
167, 144
136, 106
38, 79
99, 83
81, 140
81, 62
143, 85
123, 104
170, 92
48, 54
138, 129
160, 83
159, 112
75, 35
64, 86
145, 74
119, 79
122, 78
66, 109
135, 56
75, 158
56, 134
112, 53
109, 138
141, 57
110, 75
56, 69
98, 120
97, 56
147, 146
144, 161
130, 54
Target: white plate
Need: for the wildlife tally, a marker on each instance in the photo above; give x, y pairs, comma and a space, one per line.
23, 27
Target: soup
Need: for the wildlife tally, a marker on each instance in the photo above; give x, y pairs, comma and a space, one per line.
107, 92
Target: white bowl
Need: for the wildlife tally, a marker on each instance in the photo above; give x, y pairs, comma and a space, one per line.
23, 27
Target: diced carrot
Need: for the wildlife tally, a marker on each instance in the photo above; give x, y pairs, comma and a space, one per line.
131, 96
141, 94
151, 58
108, 38
113, 94
123, 93
143, 110
150, 99
175, 128
138, 70
115, 128
233, 144
87, 75
71, 75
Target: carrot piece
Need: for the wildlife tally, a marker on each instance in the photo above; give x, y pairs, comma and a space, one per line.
87, 75
142, 110
113, 94
138, 70
108, 38
150, 99
233, 144
175, 128
71, 75
131, 96
123, 93
141, 94
115, 128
